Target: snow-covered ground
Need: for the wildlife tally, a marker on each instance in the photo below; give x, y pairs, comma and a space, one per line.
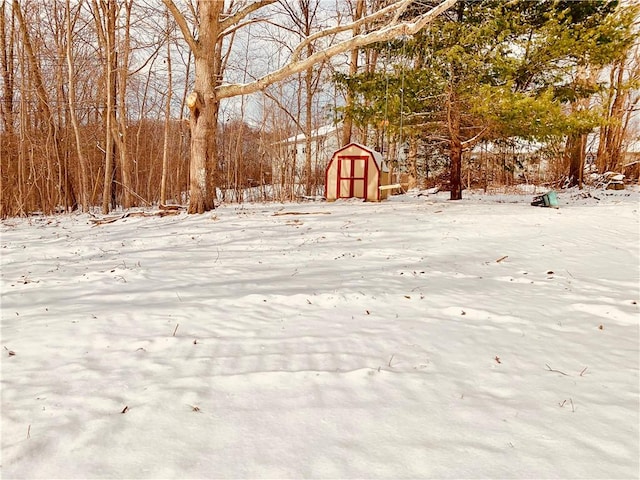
414, 338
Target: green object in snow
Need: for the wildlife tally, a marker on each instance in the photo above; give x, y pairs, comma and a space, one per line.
549, 199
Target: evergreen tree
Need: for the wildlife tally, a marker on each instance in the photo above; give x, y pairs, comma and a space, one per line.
489, 70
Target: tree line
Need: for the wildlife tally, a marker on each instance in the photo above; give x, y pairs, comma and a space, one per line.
122, 103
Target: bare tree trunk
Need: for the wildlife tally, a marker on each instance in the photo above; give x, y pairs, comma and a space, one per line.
294, 158
8, 144
456, 167
60, 184
167, 122
185, 139
238, 159
619, 108
120, 128
347, 125
576, 144
141, 124
308, 128
455, 145
6, 66
108, 191
44, 116
303, 14
84, 180
204, 105
23, 122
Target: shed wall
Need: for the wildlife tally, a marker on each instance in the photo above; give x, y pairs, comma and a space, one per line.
352, 172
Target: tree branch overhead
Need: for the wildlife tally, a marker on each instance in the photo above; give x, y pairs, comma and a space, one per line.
392, 29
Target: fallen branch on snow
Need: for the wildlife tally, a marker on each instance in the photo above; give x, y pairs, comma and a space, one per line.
161, 213
277, 214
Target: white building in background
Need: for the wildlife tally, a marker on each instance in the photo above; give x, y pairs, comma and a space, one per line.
632, 151
631, 164
292, 152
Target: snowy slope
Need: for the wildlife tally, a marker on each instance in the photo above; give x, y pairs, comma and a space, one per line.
414, 338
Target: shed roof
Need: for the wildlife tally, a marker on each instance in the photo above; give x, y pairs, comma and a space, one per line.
377, 156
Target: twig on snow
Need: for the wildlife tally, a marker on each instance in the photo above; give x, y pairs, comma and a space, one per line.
175, 329
573, 408
557, 371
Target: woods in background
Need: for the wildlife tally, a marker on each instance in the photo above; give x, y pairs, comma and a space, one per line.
101, 98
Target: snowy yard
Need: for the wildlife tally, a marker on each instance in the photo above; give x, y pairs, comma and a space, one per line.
414, 338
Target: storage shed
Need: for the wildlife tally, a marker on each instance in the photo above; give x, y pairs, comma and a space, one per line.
356, 171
